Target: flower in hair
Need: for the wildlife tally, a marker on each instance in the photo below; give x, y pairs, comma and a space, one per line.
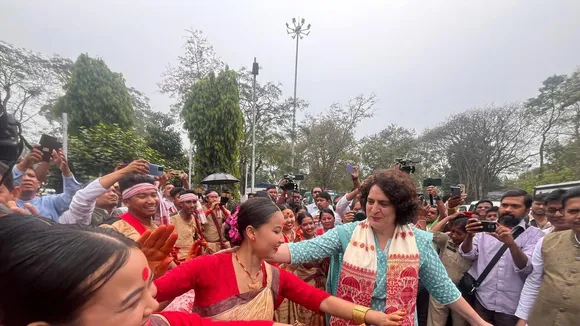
234, 231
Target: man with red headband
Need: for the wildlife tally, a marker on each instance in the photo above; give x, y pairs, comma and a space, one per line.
186, 222
142, 199
216, 215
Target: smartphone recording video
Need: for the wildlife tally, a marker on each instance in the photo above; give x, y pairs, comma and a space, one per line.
349, 168
47, 145
155, 170
488, 226
455, 191
432, 182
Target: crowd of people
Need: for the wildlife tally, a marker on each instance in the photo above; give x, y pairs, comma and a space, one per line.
132, 249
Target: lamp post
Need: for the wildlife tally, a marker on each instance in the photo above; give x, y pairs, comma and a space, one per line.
65, 134
255, 71
190, 152
297, 31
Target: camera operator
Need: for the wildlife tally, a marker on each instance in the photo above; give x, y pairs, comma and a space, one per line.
280, 199
51, 206
296, 201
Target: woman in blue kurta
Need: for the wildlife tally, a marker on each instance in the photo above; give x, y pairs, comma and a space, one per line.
377, 262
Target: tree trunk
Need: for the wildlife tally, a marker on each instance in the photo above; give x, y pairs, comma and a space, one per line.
542, 145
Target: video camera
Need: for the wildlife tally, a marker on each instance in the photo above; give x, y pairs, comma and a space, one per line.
290, 181
408, 165
10, 144
11, 141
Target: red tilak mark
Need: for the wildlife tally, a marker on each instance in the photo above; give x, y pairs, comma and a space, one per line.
145, 274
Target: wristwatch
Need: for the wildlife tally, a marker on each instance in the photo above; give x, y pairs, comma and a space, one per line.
359, 313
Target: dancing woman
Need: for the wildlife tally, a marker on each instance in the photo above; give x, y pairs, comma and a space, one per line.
240, 285
378, 261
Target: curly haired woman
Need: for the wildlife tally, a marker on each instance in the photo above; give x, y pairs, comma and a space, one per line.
377, 262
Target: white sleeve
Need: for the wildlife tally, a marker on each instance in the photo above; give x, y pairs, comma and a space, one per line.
342, 206
83, 204
533, 283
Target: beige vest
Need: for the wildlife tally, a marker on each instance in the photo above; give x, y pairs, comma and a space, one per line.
211, 231
186, 234
558, 302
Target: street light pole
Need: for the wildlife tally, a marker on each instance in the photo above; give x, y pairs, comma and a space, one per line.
255, 71
65, 134
190, 162
298, 31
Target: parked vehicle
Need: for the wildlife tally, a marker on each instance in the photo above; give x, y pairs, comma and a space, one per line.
549, 188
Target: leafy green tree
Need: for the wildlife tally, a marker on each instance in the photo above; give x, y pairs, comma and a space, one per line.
572, 102
480, 145
215, 124
161, 137
97, 150
556, 111
95, 94
328, 141
563, 166
547, 110
273, 126
197, 63
379, 151
158, 130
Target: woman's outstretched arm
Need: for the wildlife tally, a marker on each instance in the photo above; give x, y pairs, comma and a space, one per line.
308, 251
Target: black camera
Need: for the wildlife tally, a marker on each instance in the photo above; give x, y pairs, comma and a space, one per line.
10, 142
291, 181
432, 182
408, 165
360, 216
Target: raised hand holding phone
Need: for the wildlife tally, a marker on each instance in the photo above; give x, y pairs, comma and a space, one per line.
137, 167
503, 234
35, 156
473, 226
47, 145
157, 170
349, 168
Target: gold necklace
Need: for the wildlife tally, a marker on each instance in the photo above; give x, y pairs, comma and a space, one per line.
255, 285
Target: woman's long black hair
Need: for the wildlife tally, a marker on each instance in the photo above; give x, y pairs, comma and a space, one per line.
253, 212
47, 269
